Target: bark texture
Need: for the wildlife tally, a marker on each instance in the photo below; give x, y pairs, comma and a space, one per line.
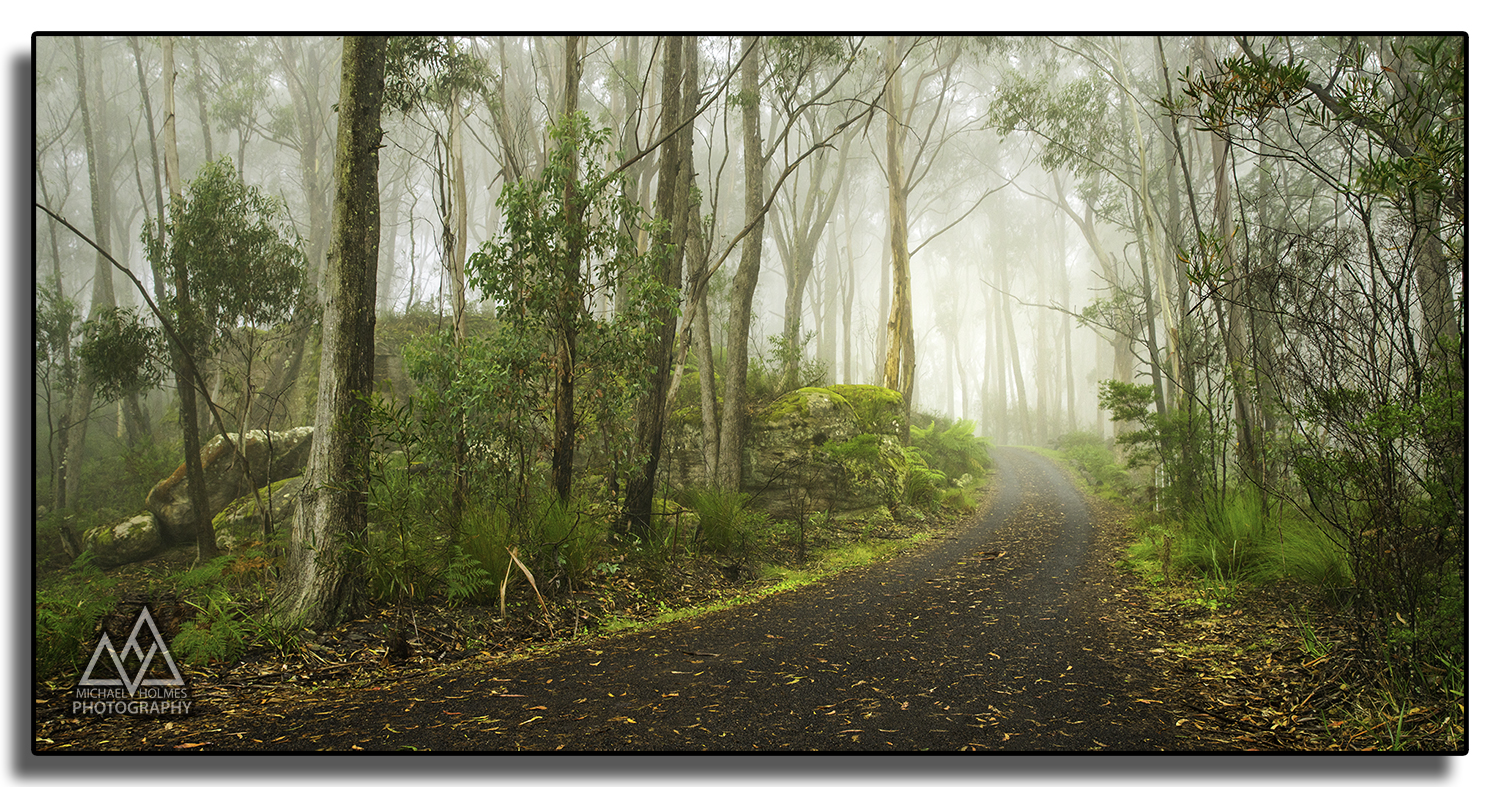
182, 363
900, 337
325, 569
564, 420
742, 289
671, 201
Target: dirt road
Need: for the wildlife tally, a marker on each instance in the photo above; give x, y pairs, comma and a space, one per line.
989, 639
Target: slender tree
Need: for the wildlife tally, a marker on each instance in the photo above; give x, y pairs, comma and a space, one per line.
668, 242
900, 335
184, 313
103, 299
325, 572
742, 290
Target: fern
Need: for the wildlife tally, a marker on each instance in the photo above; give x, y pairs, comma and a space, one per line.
219, 632
955, 451
467, 578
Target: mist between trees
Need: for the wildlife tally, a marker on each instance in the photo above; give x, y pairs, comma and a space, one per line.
1229, 267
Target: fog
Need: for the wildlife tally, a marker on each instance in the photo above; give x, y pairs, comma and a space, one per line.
1060, 219
387, 326
266, 104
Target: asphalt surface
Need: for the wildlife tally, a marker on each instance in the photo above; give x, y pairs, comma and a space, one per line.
988, 640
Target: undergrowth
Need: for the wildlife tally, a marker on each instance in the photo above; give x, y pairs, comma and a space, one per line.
1207, 552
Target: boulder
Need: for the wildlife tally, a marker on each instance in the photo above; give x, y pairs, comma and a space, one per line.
877, 409
815, 449
272, 456
136, 538
242, 521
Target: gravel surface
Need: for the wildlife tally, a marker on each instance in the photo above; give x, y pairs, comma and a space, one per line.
995, 637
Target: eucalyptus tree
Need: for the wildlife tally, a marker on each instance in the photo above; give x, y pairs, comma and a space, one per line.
926, 118
1083, 100
679, 88
742, 292
103, 294
758, 153
325, 573
237, 272
303, 125
56, 312
801, 66
1367, 307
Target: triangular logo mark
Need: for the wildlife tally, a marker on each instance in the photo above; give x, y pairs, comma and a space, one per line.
133, 647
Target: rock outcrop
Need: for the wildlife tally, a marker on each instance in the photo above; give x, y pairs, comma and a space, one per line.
272, 456
133, 539
830, 449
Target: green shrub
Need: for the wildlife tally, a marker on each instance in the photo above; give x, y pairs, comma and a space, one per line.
924, 485
67, 617
959, 499
480, 560
954, 449
467, 578
399, 563
1225, 539
1091, 455
565, 541
219, 633
725, 525
1297, 549
1237, 539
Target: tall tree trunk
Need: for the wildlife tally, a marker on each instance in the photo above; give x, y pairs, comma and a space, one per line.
900, 336
1237, 349
1065, 287
58, 437
742, 290
454, 206
187, 393
456, 215
882, 346
1023, 413
1039, 414
103, 291
1002, 370
987, 380
564, 426
848, 311
307, 105
1188, 342
324, 570
667, 249
703, 346
805, 235
1434, 284
203, 121
385, 281
824, 308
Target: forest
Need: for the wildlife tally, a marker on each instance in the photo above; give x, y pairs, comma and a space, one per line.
330, 329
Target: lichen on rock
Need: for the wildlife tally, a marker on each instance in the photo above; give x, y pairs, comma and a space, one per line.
242, 521
127, 541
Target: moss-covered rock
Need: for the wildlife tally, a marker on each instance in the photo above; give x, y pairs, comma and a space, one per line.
878, 409
272, 457
830, 449
242, 521
129, 541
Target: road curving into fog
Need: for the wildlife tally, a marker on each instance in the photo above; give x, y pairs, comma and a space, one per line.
989, 639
